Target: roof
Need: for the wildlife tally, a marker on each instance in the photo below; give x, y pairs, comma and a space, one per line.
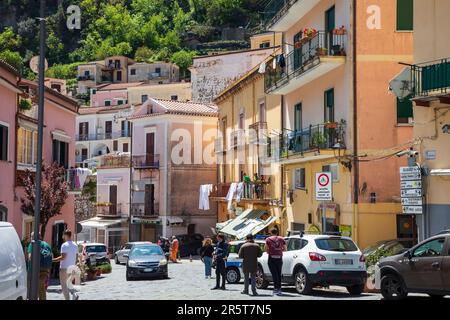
120, 86
232, 52
9, 67
179, 107
97, 110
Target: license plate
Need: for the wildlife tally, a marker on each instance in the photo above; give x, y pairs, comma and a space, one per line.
148, 270
343, 261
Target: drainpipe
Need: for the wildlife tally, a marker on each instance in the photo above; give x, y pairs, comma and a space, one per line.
131, 182
355, 130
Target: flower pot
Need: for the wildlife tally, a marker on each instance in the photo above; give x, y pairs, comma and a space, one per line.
91, 275
331, 125
99, 272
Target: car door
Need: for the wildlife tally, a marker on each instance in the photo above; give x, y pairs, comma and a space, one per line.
294, 245
423, 269
446, 268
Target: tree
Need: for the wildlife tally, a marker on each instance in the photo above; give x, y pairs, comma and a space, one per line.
183, 59
12, 58
53, 195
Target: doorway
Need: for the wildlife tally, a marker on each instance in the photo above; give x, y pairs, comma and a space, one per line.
150, 149
149, 200
113, 200
407, 229
330, 25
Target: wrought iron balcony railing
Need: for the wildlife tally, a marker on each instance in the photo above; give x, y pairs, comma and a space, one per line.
307, 53
258, 133
103, 136
252, 190
142, 209
146, 161
114, 161
431, 78
110, 210
275, 9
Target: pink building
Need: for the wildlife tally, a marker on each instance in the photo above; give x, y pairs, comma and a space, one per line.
19, 148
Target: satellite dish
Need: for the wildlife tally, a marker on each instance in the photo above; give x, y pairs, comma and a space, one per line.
402, 84
34, 64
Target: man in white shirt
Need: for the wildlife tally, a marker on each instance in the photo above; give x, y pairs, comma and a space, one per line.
69, 252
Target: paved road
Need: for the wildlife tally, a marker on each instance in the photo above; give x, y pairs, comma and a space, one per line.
186, 282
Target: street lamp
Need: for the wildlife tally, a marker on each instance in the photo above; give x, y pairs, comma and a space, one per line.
35, 258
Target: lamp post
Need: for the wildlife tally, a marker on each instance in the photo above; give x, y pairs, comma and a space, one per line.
35, 259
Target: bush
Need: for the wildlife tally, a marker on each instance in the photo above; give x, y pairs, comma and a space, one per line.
105, 268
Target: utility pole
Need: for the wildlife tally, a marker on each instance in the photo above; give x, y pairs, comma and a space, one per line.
35, 259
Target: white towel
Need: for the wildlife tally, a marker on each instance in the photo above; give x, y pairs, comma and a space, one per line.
262, 67
230, 195
239, 191
203, 201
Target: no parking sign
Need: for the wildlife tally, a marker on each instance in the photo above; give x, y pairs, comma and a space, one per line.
323, 186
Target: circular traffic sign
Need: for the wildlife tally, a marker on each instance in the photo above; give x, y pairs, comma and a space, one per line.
323, 180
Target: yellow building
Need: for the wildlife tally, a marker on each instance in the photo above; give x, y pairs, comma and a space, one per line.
431, 84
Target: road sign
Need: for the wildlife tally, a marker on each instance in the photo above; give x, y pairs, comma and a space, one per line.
414, 184
411, 193
404, 170
324, 186
412, 201
412, 209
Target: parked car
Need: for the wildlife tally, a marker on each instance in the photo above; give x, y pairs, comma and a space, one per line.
234, 264
318, 260
146, 261
13, 270
425, 268
119, 254
91, 251
190, 244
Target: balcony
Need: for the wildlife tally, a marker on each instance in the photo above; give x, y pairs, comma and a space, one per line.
314, 138
254, 191
86, 78
114, 161
103, 136
258, 134
146, 161
110, 210
143, 210
311, 58
237, 138
281, 15
431, 79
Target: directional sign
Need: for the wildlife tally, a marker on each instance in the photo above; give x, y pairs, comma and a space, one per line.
415, 184
412, 209
323, 186
404, 170
411, 193
412, 201
410, 176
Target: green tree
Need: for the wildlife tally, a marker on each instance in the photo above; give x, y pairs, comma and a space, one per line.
12, 58
9, 40
143, 54
183, 59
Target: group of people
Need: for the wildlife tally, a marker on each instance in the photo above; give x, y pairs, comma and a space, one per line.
171, 246
249, 253
68, 258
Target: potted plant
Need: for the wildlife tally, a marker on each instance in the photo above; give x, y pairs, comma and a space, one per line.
331, 125
24, 104
322, 51
371, 261
105, 268
309, 32
339, 31
91, 273
318, 139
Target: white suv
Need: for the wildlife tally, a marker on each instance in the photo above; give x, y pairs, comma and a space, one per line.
318, 260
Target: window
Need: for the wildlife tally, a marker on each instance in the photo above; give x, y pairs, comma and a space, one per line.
26, 146
120, 102
56, 87
86, 73
241, 120
119, 75
333, 169
264, 45
158, 71
295, 244
94, 91
61, 153
430, 249
336, 244
133, 72
4, 143
107, 103
125, 147
298, 117
404, 110
262, 111
300, 178
329, 105
115, 145
405, 15
174, 97
144, 98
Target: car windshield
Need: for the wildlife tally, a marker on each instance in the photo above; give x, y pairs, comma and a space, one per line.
336, 244
95, 249
146, 251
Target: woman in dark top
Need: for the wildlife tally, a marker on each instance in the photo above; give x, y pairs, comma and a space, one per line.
206, 253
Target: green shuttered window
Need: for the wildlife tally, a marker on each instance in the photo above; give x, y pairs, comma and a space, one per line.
405, 15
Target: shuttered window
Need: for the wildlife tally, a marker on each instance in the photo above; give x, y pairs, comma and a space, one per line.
3, 143
404, 110
405, 15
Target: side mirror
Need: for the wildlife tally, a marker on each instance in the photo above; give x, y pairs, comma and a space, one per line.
408, 255
125, 255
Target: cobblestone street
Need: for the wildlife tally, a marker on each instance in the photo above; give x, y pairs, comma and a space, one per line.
186, 282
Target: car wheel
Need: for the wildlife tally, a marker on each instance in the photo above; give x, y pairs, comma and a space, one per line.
261, 283
356, 290
233, 276
392, 288
116, 260
302, 283
128, 277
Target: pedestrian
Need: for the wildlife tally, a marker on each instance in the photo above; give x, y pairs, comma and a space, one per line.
45, 263
220, 257
275, 245
249, 253
68, 258
206, 253
174, 249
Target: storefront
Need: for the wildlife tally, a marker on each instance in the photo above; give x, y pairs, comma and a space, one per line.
112, 232
145, 229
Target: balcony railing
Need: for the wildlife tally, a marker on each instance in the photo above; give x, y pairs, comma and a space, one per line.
146, 161
103, 136
114, 161
431, 78
86, 78
73, 181
258, 133
275, 9
109, 210
315, 137
80, 159
141, 209
237, 138
306, 54
253, 190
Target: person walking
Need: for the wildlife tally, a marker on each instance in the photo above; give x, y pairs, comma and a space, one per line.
249, 253
46, 257
68, 258
174, 249
275, 245
220, 256
206, 253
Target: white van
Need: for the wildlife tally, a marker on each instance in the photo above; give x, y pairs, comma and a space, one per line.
13, 271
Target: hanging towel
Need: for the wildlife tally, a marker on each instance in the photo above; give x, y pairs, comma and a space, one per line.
281, 61
262, 67
274, 62
82, 174
239, 191
230, 195
203, 201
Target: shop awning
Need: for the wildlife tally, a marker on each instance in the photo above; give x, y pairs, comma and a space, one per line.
248, 222
440, 172
142, 220
175, 220
101, 223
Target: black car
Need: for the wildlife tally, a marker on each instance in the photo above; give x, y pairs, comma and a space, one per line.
190, 244
146, 261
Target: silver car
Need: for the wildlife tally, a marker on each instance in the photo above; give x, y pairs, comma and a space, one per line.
125, 250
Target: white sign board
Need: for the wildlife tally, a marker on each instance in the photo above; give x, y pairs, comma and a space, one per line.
411, 193
411, 190
412, 201
415, 184
412, 209
324, 186
405, 170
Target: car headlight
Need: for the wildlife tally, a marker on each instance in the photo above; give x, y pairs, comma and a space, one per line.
132, 263
163, 262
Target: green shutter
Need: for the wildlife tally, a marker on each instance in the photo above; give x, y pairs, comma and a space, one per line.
404, 108
405, 15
